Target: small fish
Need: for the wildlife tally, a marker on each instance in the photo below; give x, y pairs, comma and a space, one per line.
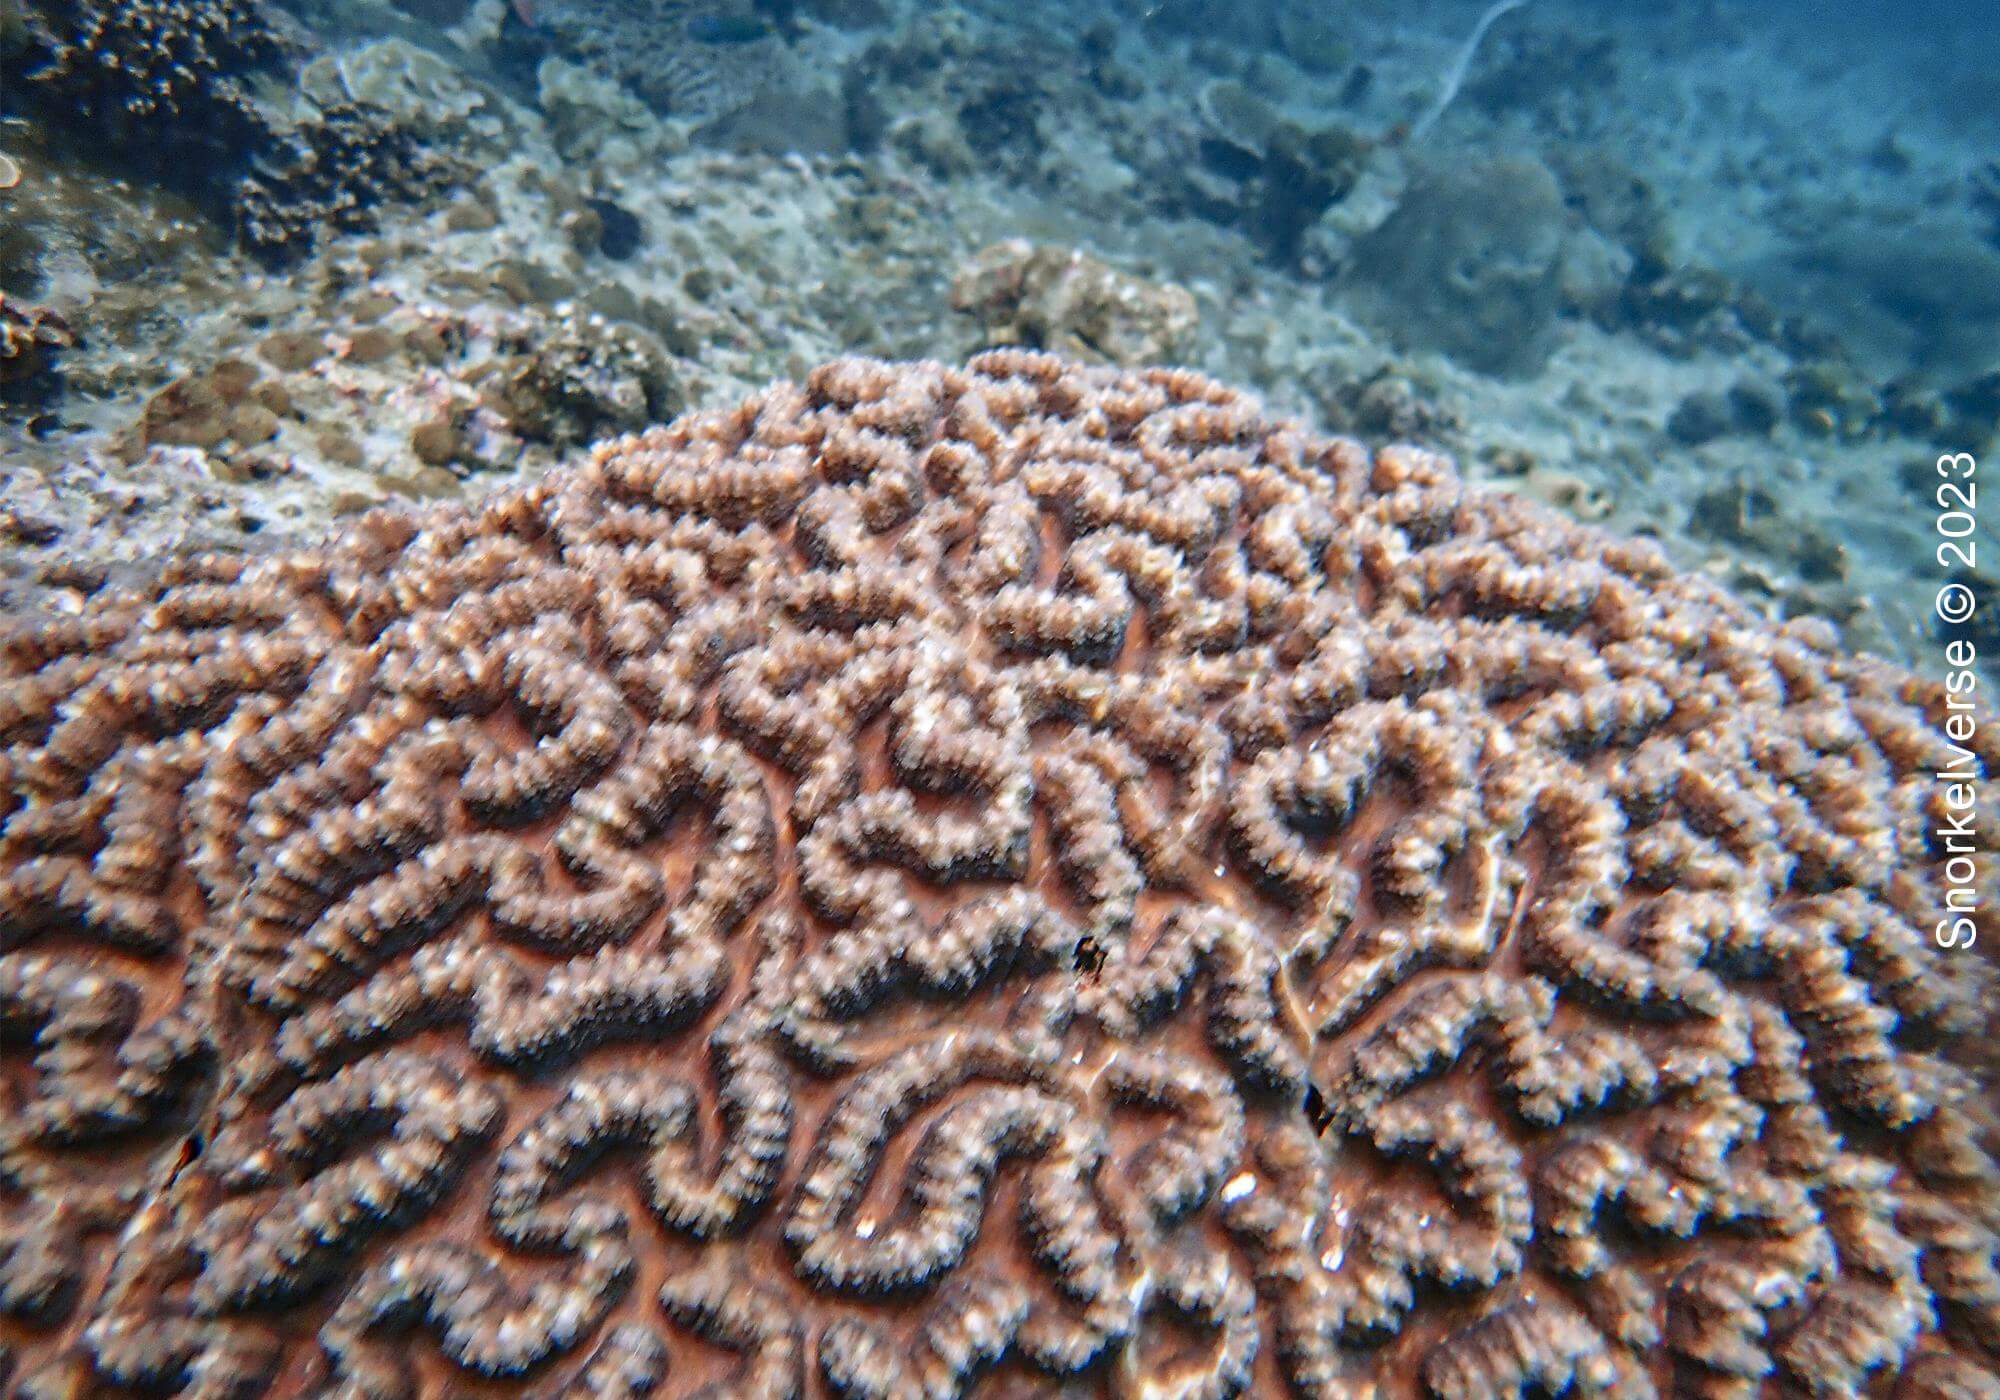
727, 29
524, 11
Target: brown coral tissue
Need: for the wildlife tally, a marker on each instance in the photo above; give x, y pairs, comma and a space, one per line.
1013, 880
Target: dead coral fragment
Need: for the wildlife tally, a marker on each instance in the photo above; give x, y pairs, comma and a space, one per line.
1066, 300
1024, 877
586, 378
30, 337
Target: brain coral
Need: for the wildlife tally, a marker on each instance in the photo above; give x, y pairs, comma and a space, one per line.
1020, 879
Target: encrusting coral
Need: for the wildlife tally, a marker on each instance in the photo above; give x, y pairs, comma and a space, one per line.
693, 59
328, 176
1025, 875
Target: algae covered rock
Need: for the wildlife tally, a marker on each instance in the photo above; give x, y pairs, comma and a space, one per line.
1065, 299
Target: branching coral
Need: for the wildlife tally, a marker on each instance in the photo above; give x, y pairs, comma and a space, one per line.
328, 176
1021, 876
155, 76
163, 84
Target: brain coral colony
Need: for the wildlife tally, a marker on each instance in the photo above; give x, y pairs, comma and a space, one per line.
1015, 879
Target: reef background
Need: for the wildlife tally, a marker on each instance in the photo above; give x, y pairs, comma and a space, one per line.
1715, 273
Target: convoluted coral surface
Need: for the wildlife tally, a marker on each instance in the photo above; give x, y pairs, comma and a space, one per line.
1014, 879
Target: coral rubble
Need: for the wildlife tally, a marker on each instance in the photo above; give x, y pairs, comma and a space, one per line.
1065, 300
30, 338
1026, 872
